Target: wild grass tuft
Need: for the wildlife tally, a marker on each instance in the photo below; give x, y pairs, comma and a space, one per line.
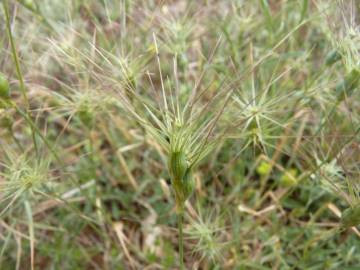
118, 117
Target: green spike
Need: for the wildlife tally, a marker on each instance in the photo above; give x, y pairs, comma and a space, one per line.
188, 183
177, 165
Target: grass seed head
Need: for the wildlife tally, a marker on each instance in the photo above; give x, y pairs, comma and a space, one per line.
177, 35
178, 165
181, 175
208, 235
86, 115
23, 176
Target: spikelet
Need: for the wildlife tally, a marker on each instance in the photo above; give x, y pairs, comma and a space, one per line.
181, 175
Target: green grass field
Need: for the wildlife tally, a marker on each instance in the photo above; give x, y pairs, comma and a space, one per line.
206, 134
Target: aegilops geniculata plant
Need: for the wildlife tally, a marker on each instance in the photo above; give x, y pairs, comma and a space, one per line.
184, 125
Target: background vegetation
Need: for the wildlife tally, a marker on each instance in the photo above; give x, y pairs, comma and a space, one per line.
84, 183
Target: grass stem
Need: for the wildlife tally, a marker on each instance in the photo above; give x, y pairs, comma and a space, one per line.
181, 240
18, 68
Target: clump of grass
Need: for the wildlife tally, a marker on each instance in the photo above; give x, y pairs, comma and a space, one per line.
23, 176
341, 178
208, 236
64, 92
86, 105
176, 38
346, 187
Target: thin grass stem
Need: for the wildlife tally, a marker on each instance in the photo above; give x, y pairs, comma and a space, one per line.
18, 68
181, 240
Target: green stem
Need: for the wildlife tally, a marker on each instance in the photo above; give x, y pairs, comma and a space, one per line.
18, 68
181, 240
14, 54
